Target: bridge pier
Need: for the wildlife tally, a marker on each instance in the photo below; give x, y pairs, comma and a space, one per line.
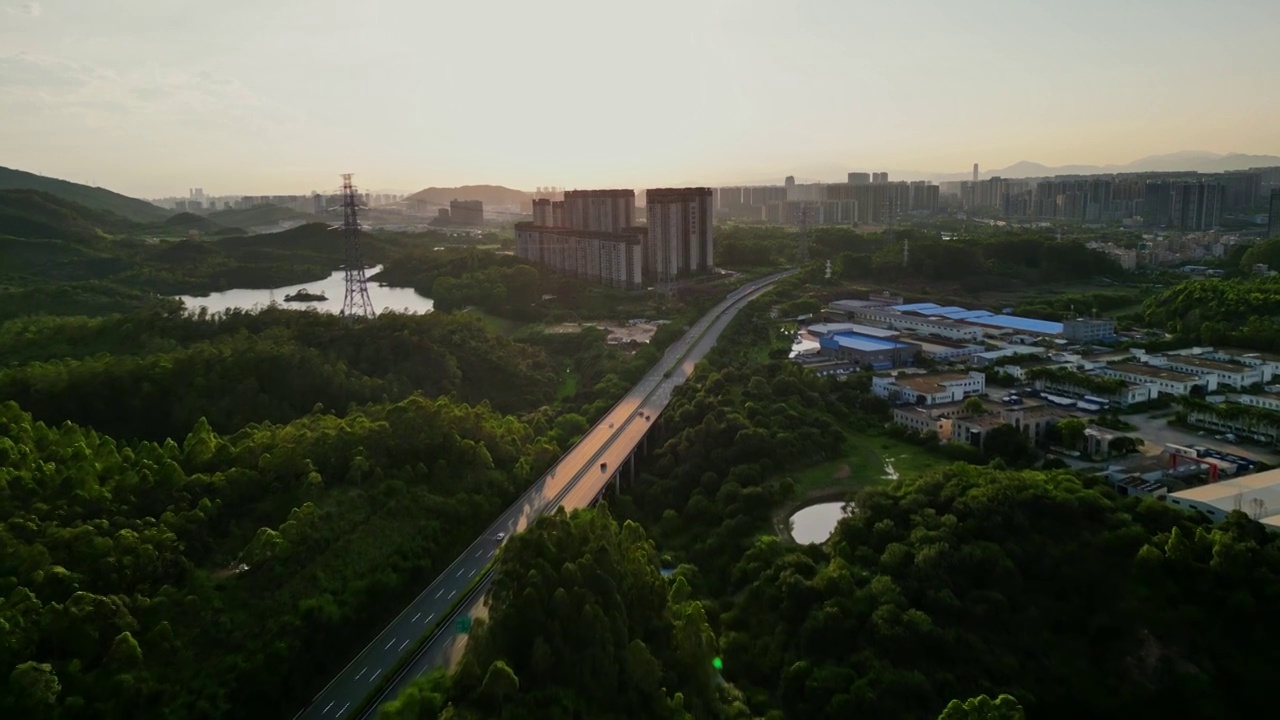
633, 467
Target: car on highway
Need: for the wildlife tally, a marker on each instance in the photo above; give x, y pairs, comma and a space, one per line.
604, 467
500, 537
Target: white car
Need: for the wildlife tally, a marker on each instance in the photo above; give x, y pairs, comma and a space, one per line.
500, 537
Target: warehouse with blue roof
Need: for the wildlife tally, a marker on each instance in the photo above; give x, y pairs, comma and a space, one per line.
866, 351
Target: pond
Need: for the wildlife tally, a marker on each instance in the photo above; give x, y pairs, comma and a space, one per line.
384, 297
814, 524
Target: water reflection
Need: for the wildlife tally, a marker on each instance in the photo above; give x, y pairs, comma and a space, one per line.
815, 523
384, 297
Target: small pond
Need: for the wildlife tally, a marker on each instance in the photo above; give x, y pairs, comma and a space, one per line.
814, 524
384, 297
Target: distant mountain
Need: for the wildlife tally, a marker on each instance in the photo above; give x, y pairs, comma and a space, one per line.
189, 221
1184, 161
488, 194
95, 198
37, 215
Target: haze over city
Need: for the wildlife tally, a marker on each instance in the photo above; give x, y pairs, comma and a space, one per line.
152, 97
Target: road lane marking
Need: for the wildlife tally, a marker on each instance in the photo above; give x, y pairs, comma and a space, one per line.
326, 708
473, 574
388, 647
344, 708
481, 551
429, 617
406, 642
461, 571
415, 618
439, 594
366, 667
455, 592
490, 553
375, 674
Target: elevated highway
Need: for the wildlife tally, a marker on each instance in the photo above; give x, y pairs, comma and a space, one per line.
575, 481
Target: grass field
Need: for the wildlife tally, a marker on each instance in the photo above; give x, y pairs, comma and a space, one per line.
869, 460
500, 326
568, 386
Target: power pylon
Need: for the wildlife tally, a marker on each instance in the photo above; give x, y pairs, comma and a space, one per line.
355, 301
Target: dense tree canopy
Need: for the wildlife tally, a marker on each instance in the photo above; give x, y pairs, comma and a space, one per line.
223, 576
1243, 312
974, 580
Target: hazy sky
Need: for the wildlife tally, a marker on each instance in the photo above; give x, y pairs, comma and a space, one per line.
150, 97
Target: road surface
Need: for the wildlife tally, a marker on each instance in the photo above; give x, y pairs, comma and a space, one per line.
575, 480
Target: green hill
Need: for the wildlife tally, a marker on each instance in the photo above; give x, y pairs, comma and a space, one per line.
44, 216
260, 215
185, 222
95, 198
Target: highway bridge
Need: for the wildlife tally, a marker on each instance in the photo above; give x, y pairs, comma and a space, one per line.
577, 480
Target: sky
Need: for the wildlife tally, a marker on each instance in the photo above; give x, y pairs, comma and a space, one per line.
152, 97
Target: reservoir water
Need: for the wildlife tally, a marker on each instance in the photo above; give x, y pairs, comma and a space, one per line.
815, 523
384, 297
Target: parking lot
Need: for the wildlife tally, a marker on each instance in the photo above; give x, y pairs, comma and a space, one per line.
1157, 432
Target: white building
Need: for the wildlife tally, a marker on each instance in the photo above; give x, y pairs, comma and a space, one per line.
1257, 496
929, 388
1161, 379
1268, 363
1266, 401
1215, 372
680, 239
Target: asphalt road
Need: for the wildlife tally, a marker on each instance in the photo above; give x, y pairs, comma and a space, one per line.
575, 481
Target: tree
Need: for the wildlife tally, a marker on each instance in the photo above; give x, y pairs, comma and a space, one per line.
973, 405
982, 707
1072, 431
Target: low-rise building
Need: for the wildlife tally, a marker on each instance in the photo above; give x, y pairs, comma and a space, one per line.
1163, 380
1266, 401
866, 351
994, 357
1267, 363
1032, 420
826, 328
1078, 385
1215, 372
933, 327
940, 350
1084, 330
1257, 496
929, 388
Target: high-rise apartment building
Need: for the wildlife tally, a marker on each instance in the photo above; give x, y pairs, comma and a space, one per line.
1273, 215
975, 173
680, 239
879, 178
859, 178
600, 210
542, 212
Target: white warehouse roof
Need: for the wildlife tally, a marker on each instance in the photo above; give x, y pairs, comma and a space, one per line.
1257, 496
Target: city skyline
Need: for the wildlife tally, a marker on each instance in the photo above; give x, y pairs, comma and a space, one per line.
150, 98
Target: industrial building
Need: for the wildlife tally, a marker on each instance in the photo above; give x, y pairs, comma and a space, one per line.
940, 350
868, 351
1163, 380
877, 315
1085, 330
929, 388
1257, 496
1214, 372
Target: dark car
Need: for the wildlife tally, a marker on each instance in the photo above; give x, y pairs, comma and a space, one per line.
604, 467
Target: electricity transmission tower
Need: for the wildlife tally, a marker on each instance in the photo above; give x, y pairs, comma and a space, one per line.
355, 301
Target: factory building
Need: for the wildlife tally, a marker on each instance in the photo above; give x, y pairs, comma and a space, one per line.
868, 351
1257, 496
929, 388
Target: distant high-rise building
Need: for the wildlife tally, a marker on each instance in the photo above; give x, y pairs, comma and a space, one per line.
859, 178
601, 210
879, 178
680, 240
1273, 216
975, 172
542, 212
466, 212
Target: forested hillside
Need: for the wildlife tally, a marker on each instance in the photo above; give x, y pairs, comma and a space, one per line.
95, 198
221, 575
1244, 311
